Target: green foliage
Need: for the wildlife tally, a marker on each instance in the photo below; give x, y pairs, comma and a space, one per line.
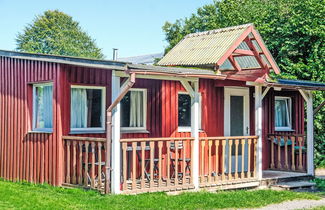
27, 196
320, 183
57, 33
293, 30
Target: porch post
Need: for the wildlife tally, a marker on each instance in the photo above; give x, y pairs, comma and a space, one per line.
195, 134
310, 134
116, 146
258, 129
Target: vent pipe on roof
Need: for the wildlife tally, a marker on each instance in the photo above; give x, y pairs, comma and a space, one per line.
115, 50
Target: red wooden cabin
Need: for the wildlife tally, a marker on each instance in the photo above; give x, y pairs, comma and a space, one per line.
125, 128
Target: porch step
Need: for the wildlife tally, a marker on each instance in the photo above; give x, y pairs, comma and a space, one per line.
291, 185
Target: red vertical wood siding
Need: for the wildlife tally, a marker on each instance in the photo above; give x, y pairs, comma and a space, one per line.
268, 119
25, 155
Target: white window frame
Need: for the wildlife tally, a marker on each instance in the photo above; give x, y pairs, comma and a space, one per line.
289, 114
144, 127
93, 129
34, 108
188, 128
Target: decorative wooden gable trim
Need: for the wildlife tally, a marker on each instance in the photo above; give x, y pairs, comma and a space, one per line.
251, 39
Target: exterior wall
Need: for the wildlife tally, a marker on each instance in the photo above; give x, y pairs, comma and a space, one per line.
24, 155
298, 123
38, 157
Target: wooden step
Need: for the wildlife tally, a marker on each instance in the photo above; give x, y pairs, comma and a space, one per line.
293, 185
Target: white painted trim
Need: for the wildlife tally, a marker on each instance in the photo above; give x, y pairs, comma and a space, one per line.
195, 134
102, 118
125, 129
157, 77
310, 134
116, 134
304, 95
289, 114
34, 107
258, 129
188, 88
236, 91
265, 92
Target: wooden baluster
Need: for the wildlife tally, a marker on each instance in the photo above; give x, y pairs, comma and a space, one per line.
255, 157
143, 162
160, 144
134, 165
236, 158
191, 163
124, 164
176, 163
223, 160
68, 163
152, 153
243, 143
249, 141
93, 165
217, 159
272, 152
279, 152
74, 162
300, 139
286, 164
86, 164
80, 163
210, 160
184, 162
99, 167
293, 164
168, 164
229, 158
202, 161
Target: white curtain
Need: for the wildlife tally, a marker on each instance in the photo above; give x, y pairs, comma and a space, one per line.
79, 108
136, 109
281, 113
44, 107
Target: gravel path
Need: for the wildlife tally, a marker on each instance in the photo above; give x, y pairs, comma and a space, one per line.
296, 204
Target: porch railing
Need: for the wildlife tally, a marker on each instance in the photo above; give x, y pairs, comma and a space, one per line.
288, 152
227, 159
157, 164
84, 163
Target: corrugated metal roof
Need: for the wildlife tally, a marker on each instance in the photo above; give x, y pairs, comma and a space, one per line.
298, 84
203, 48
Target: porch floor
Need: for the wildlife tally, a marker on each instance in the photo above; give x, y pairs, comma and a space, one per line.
270, 174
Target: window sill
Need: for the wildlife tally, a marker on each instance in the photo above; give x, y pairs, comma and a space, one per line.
134, 131
41, 131
87, 131
284, 129
186, 130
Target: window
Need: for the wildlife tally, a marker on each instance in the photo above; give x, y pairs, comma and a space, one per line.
184, 112
283, 113
42, 107
133, 110
87, 109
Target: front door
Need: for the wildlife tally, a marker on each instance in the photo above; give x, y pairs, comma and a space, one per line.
236, 122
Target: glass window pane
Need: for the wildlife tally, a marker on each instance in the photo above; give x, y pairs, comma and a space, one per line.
132, 109
281, 113
184, 110
43, 107
86, 108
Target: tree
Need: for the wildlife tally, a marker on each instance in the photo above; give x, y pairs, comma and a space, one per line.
293, 30
57, 33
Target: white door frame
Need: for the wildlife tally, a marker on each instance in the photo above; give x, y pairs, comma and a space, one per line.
236, 91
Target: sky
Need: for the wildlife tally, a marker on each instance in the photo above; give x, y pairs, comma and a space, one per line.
132, 26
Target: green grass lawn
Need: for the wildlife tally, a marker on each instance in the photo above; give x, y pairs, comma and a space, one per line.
27, 196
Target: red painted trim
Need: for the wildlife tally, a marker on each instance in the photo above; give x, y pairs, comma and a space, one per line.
242, 52
234, 46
